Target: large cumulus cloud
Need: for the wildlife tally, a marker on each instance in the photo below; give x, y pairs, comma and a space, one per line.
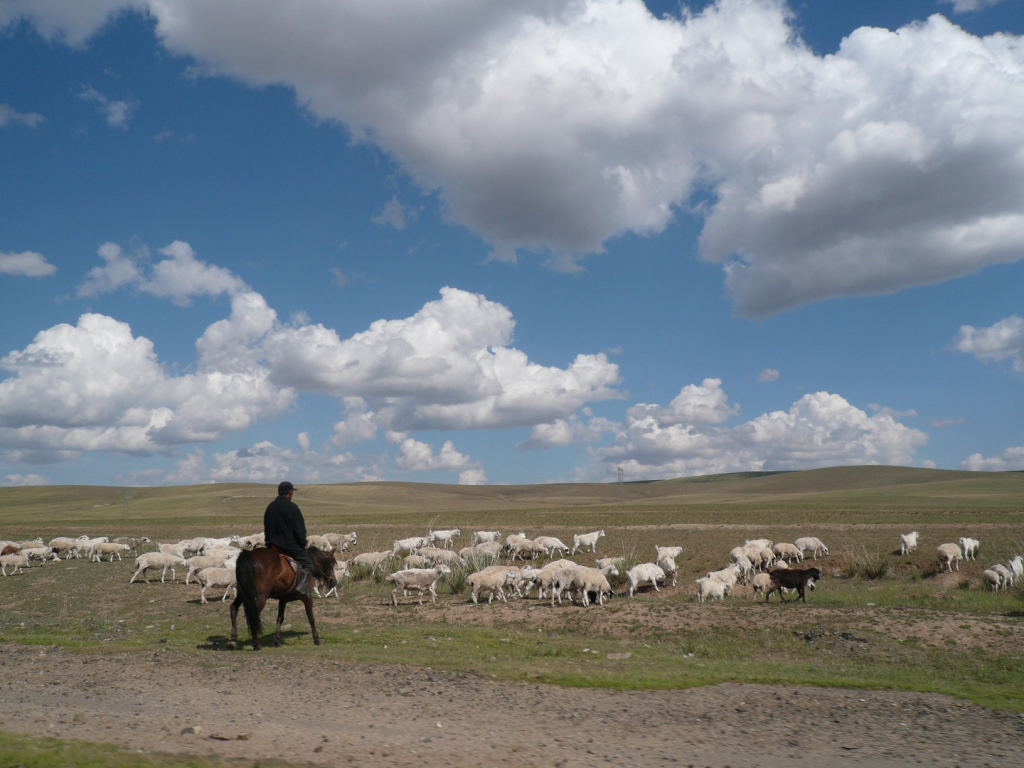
688, 438
894, 161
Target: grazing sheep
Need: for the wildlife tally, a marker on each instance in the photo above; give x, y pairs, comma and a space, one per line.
759, 543
84, 545
63, 544
216, 577
551, 545
342, 541
728, 575
180, 549
372, 560
511, 539
811, 544
40, 553
420, 579
608, 562
444, 538
711, 589
343, 571
163, 560
110, 548
767, 558
581, 540
132, 542
745, 566
969, 547
1016, 568
415, 561
17, 560
948, 555
435, 556
200, 562
320, 542
908, 542
249, 543
208, 544
761, 582
1004, 573
31, 543
491, 582
673, 552
788, 552
481, 537
587, 580
668, 565
409, 545
992, 579
643, 573
481, 552
524, 547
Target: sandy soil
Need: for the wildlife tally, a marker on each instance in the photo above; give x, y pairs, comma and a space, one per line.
332, 713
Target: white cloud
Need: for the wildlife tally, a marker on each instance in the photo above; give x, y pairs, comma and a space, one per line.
703, 404
819, 430
969, 6
420, 457
1012, 459
768, 374
557, 125
96, 387
117, 112
72, 23
393, 215
29, 479
472, 477
119, 269
9, 115
562, 432
26, 264
1002, 341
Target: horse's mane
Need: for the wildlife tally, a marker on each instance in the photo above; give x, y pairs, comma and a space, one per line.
323, 562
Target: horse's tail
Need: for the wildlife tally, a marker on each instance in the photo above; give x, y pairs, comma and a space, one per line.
245, 576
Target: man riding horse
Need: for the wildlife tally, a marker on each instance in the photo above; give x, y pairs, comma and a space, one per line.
285, 530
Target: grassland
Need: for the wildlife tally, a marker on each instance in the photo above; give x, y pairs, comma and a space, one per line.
913, 628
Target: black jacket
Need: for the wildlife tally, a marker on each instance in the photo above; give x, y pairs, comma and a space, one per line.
284, 526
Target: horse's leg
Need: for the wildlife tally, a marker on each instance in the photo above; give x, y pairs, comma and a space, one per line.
233, 643
280, 620
308, 602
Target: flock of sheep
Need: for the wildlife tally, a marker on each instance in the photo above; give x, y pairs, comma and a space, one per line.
426, 560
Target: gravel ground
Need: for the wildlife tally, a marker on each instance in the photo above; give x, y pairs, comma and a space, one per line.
333, 713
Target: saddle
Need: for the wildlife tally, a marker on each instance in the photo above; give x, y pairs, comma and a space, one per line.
296, 568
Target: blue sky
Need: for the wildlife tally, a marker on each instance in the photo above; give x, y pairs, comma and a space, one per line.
486, 242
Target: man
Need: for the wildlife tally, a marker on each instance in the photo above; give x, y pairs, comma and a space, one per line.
285, 529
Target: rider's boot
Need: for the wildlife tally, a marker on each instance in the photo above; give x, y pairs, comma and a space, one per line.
303, 586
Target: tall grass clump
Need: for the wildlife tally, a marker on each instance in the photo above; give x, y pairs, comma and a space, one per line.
869, 566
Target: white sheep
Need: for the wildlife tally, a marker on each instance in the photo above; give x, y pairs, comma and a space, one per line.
63, 544
767, 558
208, 544
343, 571
40, 553
609, 562
491, 582
745, 566
551, 545
180, 549
342, 541
524, 547
811, 544
1004, 573
644, 573
672, 552
1016, 568
108, 548
969, 547
16, 560
84, 545
668, 565
908, 542
587, 580
250, 543
444, 538
581, 540
760, 543
788, 552
992, 579
415, 561
480, 537
435, 556
200, 562
372, 560
511, 539
420, 579
409, 545
216, 577
711, 589
320, 542
728, 575
948, 555
761, 582
164, 560
480, 552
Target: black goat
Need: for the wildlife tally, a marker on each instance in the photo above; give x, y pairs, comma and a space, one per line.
792, 578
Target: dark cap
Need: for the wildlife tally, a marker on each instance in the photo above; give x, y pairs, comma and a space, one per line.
284, 487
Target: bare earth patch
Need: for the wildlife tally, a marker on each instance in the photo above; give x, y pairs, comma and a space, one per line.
266, 705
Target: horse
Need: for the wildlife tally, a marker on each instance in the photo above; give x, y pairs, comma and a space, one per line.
265, 573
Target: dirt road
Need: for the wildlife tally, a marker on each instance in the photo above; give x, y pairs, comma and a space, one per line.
331, 713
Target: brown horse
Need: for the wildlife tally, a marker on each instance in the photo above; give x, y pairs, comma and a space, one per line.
266, 573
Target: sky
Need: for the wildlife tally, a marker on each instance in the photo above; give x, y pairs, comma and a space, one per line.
483, 242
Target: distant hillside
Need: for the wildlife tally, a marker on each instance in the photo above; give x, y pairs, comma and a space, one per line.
857, 493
